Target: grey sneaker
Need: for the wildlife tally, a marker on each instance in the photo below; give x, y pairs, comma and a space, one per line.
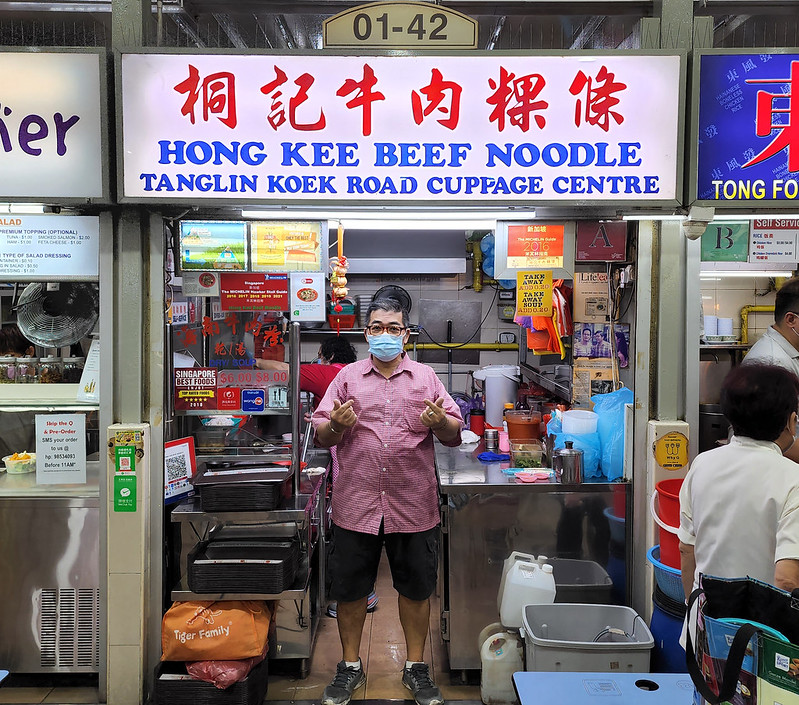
417, 680
346, 682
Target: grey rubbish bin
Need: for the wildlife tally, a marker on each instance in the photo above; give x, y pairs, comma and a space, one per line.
713, 426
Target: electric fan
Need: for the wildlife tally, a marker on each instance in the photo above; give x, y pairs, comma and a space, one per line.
55, 315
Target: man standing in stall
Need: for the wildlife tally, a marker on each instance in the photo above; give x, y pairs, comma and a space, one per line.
382, 414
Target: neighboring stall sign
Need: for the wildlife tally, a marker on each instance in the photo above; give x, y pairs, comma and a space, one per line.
773, 240
50, 125
747, 146
400, 25
214, 245
47, 247
241, 291
374, 129
601, 241
60, 449
726, 242
286, 246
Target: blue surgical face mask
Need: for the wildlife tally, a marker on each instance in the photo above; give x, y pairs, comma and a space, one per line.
385, 347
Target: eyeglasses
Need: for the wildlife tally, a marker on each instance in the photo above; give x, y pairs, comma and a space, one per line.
379, 329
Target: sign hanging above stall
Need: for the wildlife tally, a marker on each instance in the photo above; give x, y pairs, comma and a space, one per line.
51, 134
745, 106
773, 240
483, 129
400, 25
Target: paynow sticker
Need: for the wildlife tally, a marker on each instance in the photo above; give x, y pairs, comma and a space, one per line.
228, 398
253, 400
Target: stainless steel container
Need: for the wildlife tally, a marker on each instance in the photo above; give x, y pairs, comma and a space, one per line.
491, 437
568, 464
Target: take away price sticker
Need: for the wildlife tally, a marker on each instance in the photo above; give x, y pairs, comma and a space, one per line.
534, 293
671, 451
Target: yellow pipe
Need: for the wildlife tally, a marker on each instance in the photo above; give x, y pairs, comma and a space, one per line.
477, 266
459, 346
745, 311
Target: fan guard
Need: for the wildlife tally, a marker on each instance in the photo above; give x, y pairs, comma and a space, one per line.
57, 315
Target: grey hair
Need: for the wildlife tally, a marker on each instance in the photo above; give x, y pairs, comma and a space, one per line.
388, 304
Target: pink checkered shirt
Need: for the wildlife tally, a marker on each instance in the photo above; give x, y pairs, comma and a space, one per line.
386, 462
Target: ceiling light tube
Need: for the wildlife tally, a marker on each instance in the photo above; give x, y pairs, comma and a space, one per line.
401, 224
756, 216
462, 214
653, 216
22, 208
751, 273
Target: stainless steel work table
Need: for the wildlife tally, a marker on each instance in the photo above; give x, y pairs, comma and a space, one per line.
487, 514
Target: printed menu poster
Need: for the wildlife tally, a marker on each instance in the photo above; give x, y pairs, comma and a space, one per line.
195, 388
535, 246
534, 293
307, 298
773, 240
286, 247
213, 245
241, 291
60, 449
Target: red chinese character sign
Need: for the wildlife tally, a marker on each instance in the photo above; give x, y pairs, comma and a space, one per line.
382, 129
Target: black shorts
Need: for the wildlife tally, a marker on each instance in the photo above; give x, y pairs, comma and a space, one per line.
354, 558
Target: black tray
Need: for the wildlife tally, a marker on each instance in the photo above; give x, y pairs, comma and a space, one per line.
188, 691
242, 486
268, 567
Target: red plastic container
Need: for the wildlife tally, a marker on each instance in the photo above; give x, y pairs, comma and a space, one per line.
341, 320
668, 511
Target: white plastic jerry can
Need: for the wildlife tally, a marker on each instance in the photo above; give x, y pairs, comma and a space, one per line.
526, 584
500, 657
508, 564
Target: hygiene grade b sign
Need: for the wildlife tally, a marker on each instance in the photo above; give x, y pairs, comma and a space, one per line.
400, 128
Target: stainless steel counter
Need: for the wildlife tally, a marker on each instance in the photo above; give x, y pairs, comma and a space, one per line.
25, 486
487, 515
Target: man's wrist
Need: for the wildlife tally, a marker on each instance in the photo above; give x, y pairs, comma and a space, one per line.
333, 429
441, 426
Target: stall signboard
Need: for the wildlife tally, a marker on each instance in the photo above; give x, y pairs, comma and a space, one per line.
51, 125
307, 296
240, 291
287, 246
382, 129
47, 247
773, 240
726, 242
747, 148
60, 449
213, 245
601, 241
195, 388
534, 293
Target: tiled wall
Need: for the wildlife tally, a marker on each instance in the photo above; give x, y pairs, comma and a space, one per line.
726, 296
442, 288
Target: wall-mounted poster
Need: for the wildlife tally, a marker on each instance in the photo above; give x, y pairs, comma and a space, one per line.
213, 245
287, 246
597, 340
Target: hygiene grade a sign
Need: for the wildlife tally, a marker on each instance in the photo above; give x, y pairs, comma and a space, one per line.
400, 128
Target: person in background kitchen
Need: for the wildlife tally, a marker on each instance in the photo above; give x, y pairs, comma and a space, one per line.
739, 503
334, 353
779, 345
382, 414
12, 342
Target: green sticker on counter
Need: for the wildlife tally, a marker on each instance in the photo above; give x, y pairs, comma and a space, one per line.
124, 493
125, 458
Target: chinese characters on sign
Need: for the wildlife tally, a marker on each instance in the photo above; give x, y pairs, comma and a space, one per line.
400, 128
535, 245
773, 240
254, 292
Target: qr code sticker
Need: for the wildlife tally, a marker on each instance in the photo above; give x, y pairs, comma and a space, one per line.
176, 468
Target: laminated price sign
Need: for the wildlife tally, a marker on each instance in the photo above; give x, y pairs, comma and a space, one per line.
534, 293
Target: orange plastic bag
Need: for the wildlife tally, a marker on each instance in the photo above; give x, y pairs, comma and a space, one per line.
225, 630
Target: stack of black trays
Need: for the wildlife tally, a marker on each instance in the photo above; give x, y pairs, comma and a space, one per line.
173, 686
267, 565
242, 486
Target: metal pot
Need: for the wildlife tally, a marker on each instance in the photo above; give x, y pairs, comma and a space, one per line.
568, 464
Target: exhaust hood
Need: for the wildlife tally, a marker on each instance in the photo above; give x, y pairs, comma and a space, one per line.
429, 251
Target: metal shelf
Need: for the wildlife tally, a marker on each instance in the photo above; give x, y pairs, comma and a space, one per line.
297, 591
189, 511
547, 382
43, 396
216, 412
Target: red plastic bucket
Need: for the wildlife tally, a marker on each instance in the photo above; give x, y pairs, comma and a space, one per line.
667, 517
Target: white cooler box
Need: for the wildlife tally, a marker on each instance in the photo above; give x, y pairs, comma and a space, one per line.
580, 637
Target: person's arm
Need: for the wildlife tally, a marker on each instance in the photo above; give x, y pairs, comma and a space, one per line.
446, 428
786, 574
687, 567
342, 418
271, 365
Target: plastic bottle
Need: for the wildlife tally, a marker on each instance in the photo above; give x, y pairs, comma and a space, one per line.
500, 658
526, 584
